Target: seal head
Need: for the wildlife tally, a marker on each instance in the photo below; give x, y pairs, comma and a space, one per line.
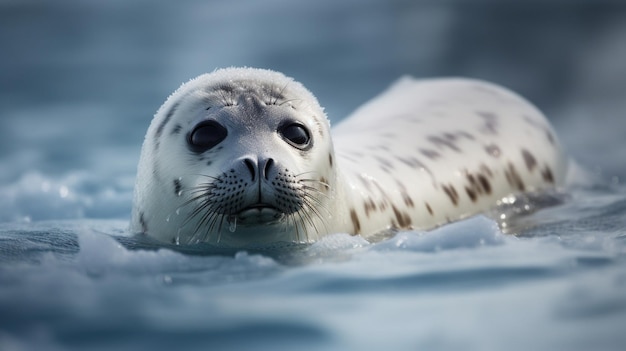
239, 156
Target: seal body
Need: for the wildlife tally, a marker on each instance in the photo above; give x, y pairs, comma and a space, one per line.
245, 157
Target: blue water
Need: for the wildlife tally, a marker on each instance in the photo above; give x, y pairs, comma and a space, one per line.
79, 82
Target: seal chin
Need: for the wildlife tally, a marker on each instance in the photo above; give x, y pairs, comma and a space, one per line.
259, 214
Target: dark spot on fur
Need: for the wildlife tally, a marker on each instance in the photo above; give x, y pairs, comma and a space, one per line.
407, 200
166, 120
452, 194
478, 185
411, 162
513, 177
491, 122
550, 137
442, 142
155, 170
403, 219
431, 154
449, 136
330, 160
465, 135
176, 130
177, 187
471, 179
547, 175
405, 195
529, 159
355, 221
428, 208
384, 162
484, 183
471, 193
320, 127
493, 150
369, 206
142, 221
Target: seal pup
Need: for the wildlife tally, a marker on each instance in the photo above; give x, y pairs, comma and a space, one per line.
244, 157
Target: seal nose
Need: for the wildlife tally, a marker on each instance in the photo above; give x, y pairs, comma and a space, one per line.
251, 165
262, 167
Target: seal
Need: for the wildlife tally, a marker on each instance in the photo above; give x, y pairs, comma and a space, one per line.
244, 157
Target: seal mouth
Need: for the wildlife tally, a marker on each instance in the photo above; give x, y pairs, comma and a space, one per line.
259, 213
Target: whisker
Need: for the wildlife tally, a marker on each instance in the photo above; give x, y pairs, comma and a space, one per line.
205, 176
295, 225
204, 218
320, 205
307, 172
289, 100
316, 191
313, 210
196, 211
312, 180
204, 211
324, 185
280, 93
226, 100
307, 217
299, 223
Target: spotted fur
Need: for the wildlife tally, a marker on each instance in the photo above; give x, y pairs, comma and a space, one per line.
424, 153
476, 143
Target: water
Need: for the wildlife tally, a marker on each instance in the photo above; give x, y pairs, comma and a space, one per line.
80, 81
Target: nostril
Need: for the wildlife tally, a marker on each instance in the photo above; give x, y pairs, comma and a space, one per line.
268, 166
251, 167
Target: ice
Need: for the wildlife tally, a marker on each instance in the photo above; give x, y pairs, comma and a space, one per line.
470, 233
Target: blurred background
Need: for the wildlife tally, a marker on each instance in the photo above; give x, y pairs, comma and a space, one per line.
81, 79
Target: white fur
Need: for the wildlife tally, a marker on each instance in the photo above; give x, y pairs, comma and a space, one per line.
417, 156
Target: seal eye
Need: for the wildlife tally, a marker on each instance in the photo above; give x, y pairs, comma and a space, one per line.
296, 135
206, 135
